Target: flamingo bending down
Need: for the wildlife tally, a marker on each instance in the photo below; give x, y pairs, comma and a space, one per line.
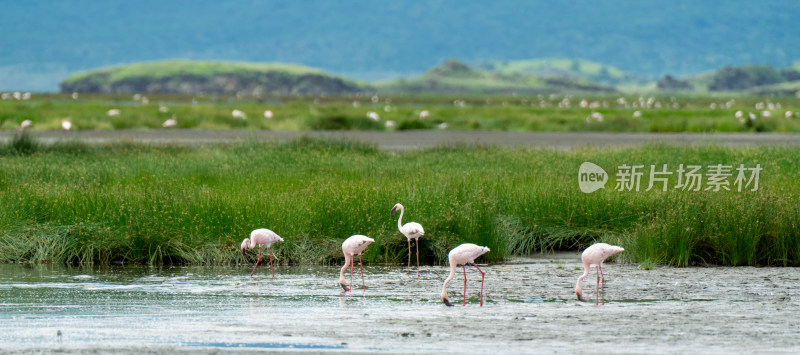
351, 247
261, 237
412, 230
463, 254
595, 254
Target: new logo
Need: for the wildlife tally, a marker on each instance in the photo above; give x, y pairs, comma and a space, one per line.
591, 177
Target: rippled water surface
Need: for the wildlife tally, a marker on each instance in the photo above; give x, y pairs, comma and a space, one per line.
529, 308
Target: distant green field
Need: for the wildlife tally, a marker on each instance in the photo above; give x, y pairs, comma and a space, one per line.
530, 112
77, 203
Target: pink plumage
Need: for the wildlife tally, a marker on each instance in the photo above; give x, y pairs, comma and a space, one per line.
462, 255
351, 247
595, 254
261, 237
412, 230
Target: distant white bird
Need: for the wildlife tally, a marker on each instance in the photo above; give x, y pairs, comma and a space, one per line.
788, 114
137, 97
412, 230
66, 125
238, 114
113, 112
145, 100
442, 125
268, 114
5, 96
462, 255
389, 124
26, 96
424, 114
25, 124
637, 114
17, 95
75, 95
766, 114
162, 108
738, 114
261, 237
597, 116
373, 116
170, 122
595, 255
351, 247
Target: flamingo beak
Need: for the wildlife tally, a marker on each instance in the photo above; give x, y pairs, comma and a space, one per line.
244, 252
447, 302
580, 297
344, 287
393, 209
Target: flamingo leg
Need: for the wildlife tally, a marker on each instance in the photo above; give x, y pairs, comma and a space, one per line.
257, 261
416, 243
602, 284
597, 293
409, 256
352, 262
465, 283
361, 266
482, 277
269, 251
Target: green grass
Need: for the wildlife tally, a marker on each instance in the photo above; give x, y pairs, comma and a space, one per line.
479, 112
74, 203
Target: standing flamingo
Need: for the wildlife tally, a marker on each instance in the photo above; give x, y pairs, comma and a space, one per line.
463, 254
412, 230
261, 237
595, 254
351, 247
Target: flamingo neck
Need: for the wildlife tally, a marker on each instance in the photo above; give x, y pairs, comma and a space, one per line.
580, 278
400, 218
449, 277
347, 258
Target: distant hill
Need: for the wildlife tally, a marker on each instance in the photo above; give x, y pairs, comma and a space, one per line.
564, 67
194, 77
453, 76
43, 41
756, 79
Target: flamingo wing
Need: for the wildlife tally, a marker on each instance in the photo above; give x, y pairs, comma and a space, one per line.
413, 230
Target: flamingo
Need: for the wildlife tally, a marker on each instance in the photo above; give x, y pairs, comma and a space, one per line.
463, 254
66, 125
170, 122
595, 254
268, 114
261, 236
25, 124
412, 230
351, 247
238, 114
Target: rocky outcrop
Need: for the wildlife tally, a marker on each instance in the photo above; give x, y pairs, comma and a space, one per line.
257, 83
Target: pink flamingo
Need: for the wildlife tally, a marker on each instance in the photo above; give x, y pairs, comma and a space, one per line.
261, 237
595, 254
351, 247
412, 230
463, 254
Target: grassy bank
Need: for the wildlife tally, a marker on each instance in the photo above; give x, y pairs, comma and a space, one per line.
457, 112
71, 202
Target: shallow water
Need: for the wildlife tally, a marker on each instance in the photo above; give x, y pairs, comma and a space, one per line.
529, 308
